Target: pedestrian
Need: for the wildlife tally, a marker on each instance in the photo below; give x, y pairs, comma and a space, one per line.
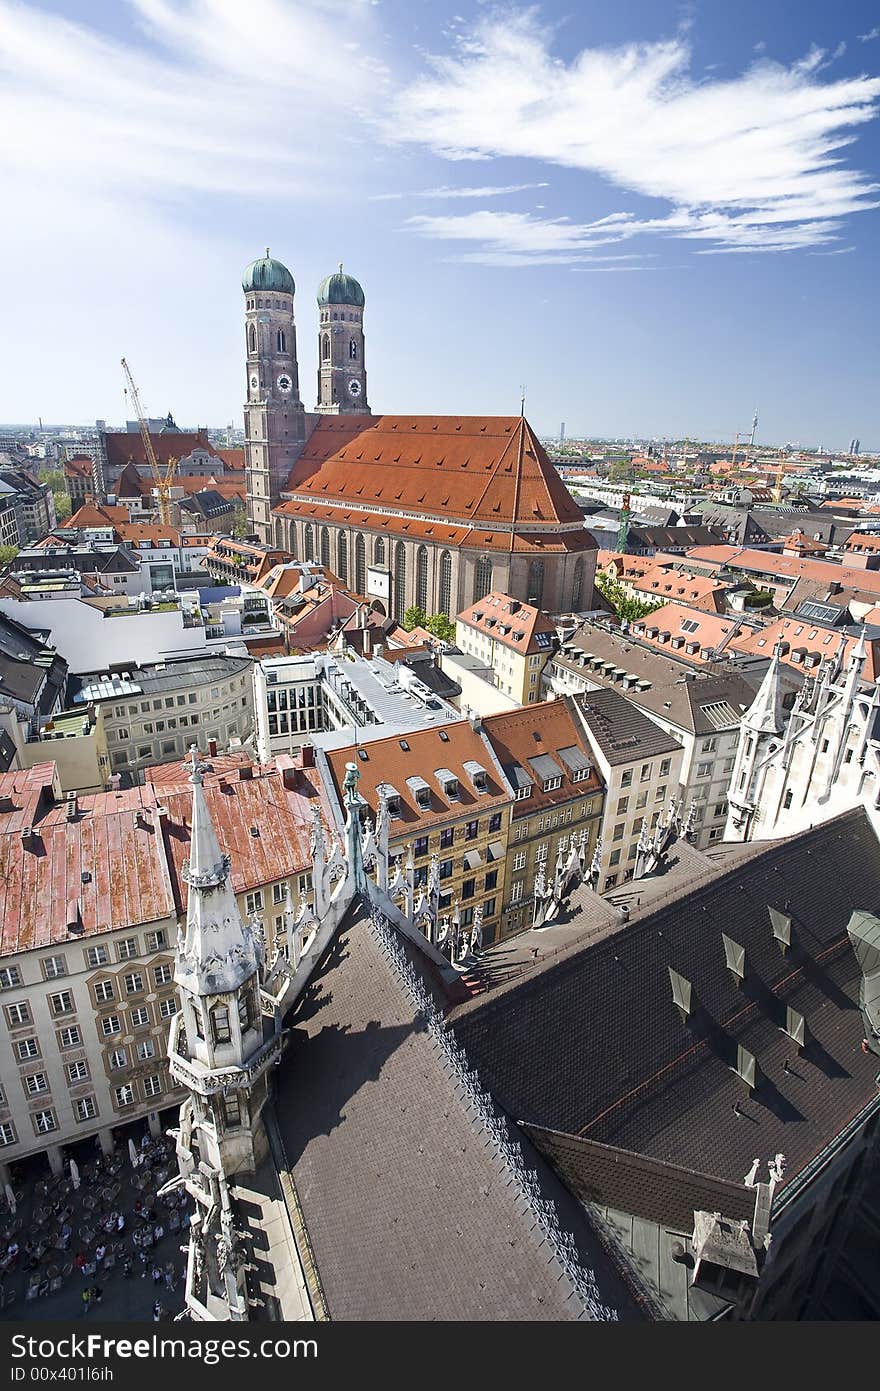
158, 1232
144, 1260
86, 1299
79, 1261
158, 1311
126, 1266
97, 1294
100, 1253
169, 1275
120, 1223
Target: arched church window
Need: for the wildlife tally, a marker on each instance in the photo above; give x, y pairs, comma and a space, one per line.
360, 565
446, 584
252, 338
577, 584
536, 583
422, 578
309, 542
282, 341
325, 347
220, 1029
482, 577
325, 546
379, 551
342, 557
352, 349
399, 581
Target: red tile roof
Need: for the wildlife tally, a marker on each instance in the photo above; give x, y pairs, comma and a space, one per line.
128, 447
93, 514
475, 470
802, 640
520, 735
521, 627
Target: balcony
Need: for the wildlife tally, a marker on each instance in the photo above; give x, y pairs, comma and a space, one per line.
189, 1072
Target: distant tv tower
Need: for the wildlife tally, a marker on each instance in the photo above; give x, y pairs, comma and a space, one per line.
562, 433
754, 430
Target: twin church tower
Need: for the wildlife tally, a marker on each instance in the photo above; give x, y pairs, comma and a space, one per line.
276, 423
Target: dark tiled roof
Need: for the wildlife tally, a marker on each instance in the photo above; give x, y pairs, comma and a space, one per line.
621, 1067
410, 1212
621, 731
632, 1183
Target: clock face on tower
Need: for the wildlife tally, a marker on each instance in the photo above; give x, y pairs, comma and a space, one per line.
255, 382
285, 384
354, 387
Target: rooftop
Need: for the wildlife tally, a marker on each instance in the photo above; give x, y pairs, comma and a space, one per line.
519, 626
622, 733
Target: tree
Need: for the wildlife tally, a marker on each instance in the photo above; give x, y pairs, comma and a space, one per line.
62, 506
7, 555
626, 608
415, 617
439, 626
238, 526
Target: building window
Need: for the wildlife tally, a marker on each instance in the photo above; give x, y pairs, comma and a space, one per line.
360, 564
342, 557
26, 1049
665, 766
325, 547
788, 799
127, 948
468, 888
167, 1007
422, 578
253, 902
69, 1038
519, 860
146, 1049
232, 1110
45, 1122
220, 1026
36, 1083
577, 585
139, 1017
18, 1014
161, 974
445, 869
124, 1094
308, 542
103, 991
472, 830
482, 577
614, 857
446, 583
536, 583
281, 341
61, 1003
399, 581
85, 1108
96, 956
152, 1085
447, 837
379, 551
420, 846
352, 350
134, 982
626, 778
111, 1025
516, 891
156, 941
325, 347
77, 1072
491, 880
10, 976
7, 1134
118, 1059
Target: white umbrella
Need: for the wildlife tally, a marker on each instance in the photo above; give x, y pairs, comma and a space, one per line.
74, 1173
133, 1154
10, 1198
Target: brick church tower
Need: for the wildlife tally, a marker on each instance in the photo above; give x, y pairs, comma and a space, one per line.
274, 417
342, 373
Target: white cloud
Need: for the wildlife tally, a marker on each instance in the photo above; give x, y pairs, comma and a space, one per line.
871, 34
212, 101
488, 191
731, 159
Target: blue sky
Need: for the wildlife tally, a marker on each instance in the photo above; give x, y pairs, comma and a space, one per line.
655, 216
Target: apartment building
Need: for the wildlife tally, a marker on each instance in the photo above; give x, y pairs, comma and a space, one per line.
515, 640
640, 765
152, 714
700, 709
558, 793
91, 892
447, 795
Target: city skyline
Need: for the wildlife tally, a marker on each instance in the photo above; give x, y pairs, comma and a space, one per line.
647, 262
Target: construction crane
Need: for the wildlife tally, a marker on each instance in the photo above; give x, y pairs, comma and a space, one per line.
162, 477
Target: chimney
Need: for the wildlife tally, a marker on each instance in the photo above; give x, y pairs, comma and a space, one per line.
475, 721
245, 773
378, 650
212, 748
308, 755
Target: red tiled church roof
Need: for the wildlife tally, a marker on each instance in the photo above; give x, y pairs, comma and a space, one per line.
475, 470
